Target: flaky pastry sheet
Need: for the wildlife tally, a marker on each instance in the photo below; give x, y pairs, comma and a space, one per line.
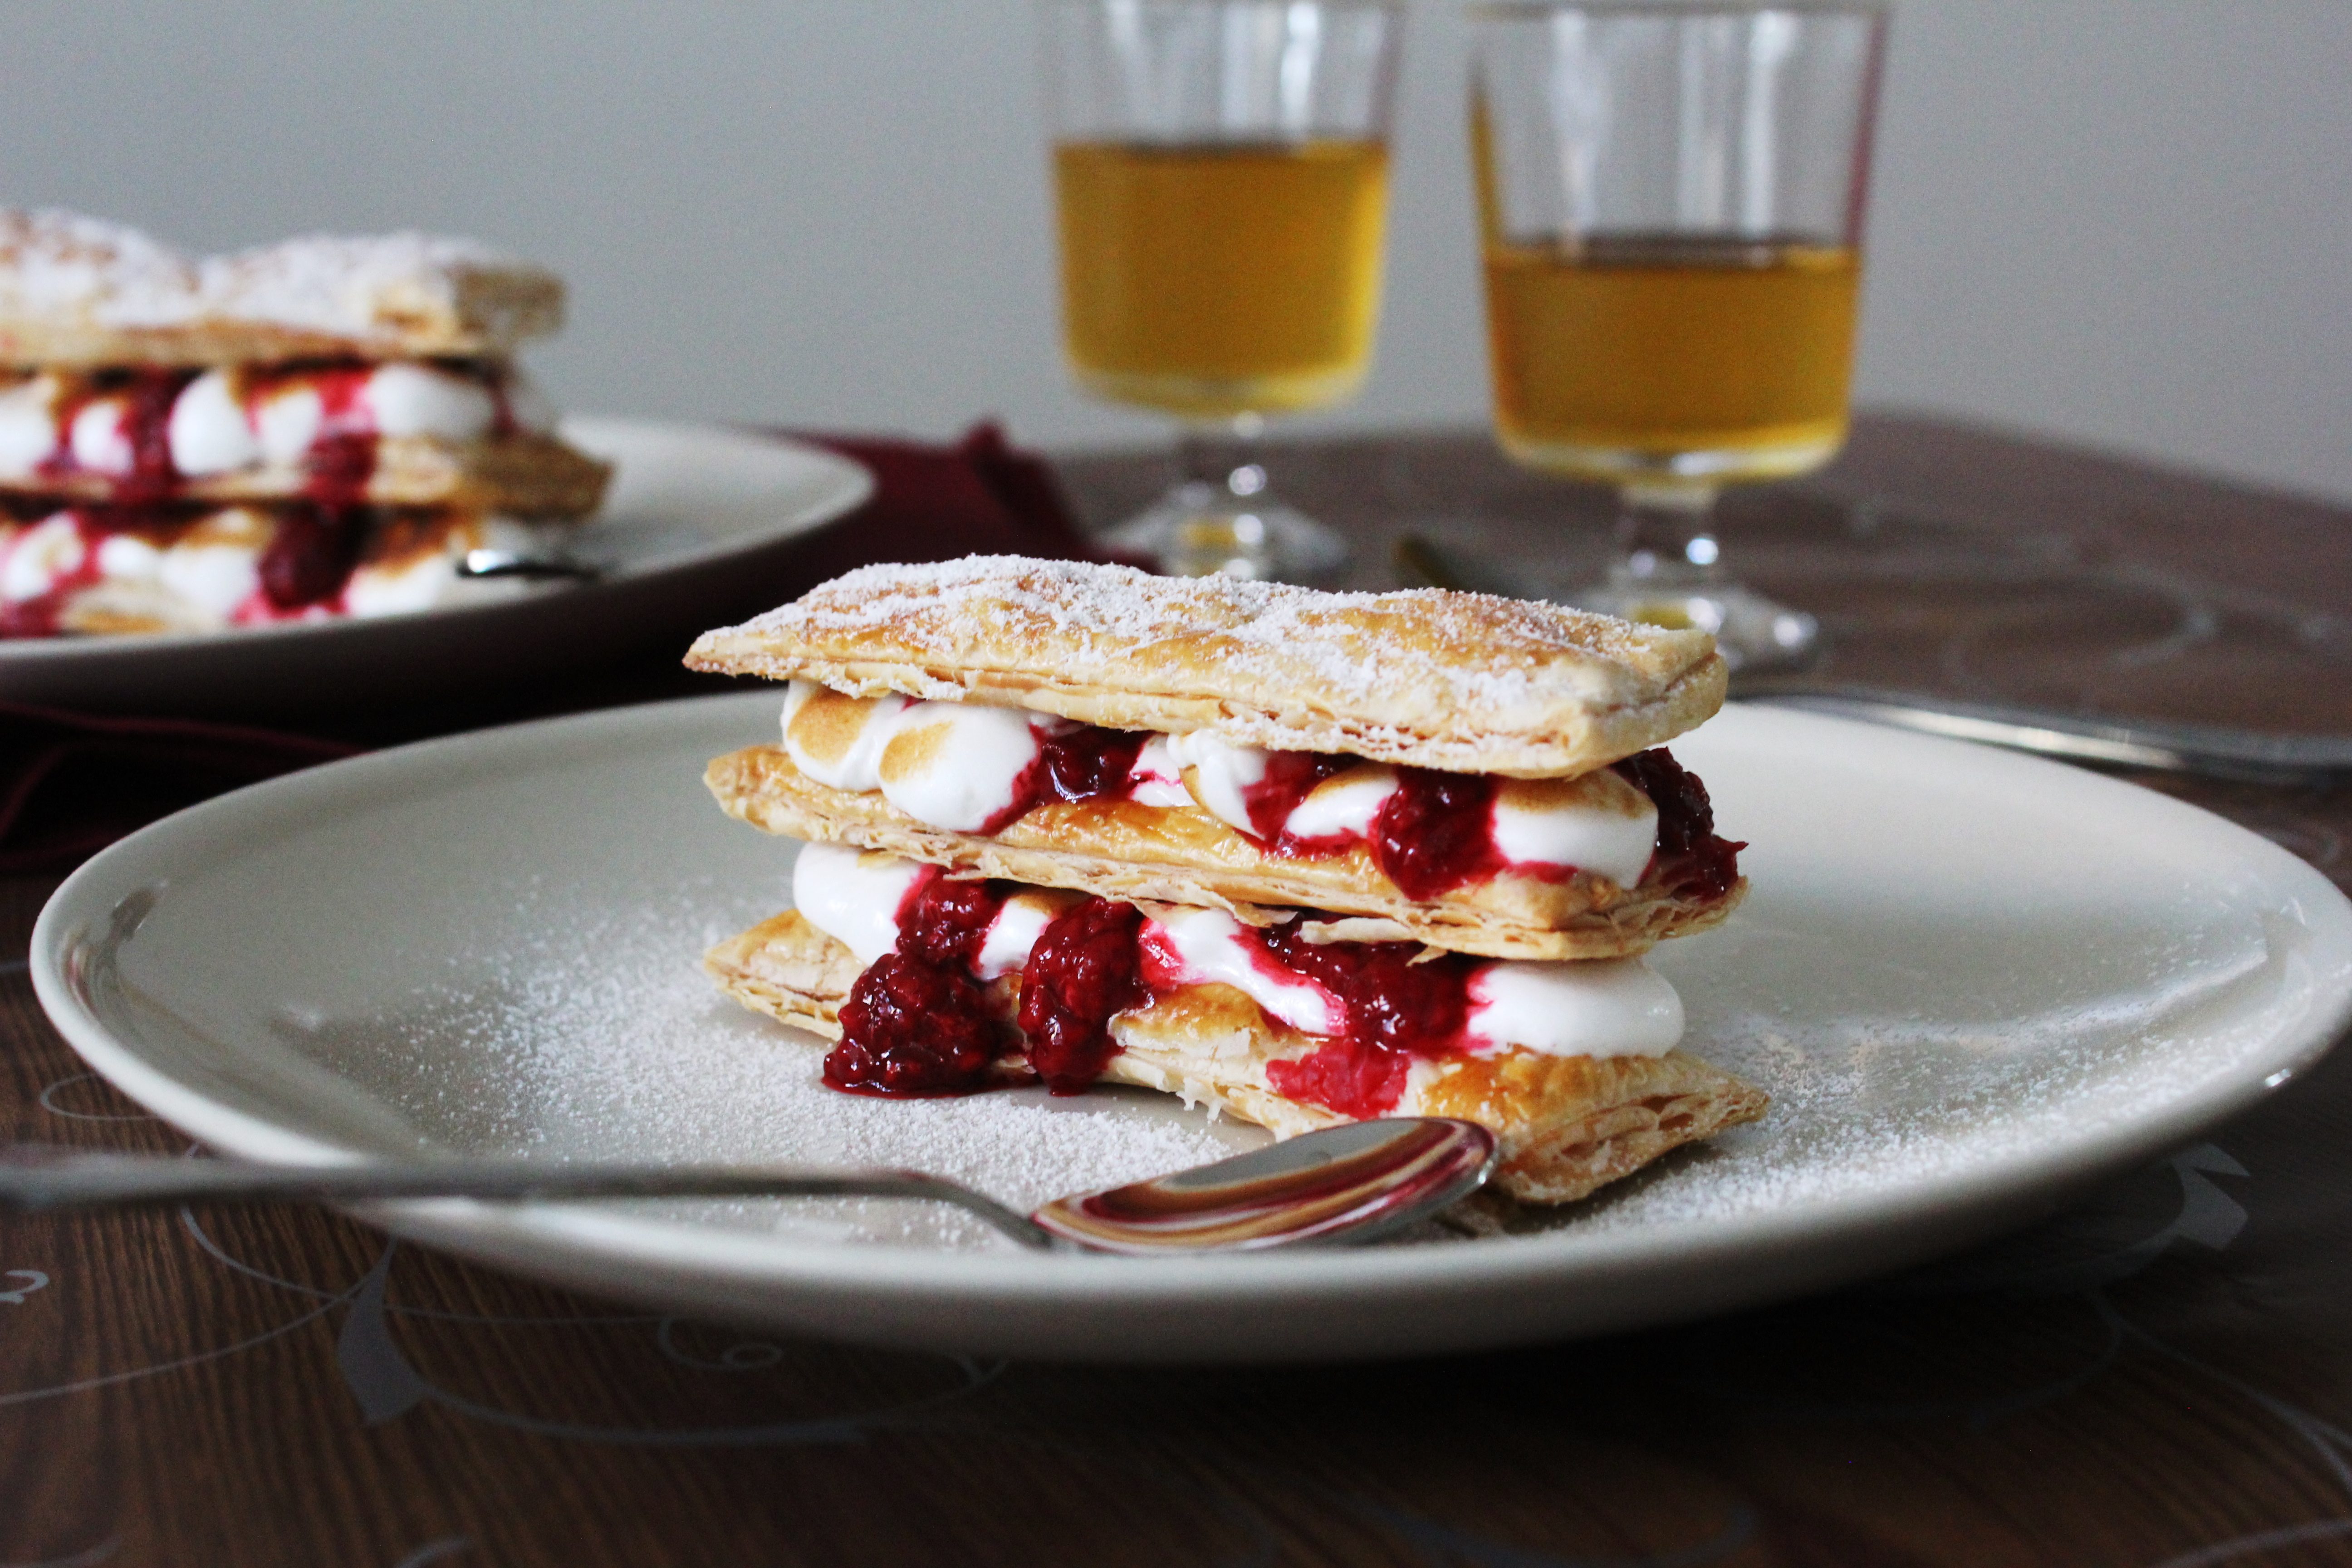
80, 292
521, 475
1567, 1124
1462, 682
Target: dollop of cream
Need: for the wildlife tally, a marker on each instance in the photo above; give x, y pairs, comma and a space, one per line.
1343, 806
1015, 930
1217, 773
836, 740
852, 897
406, 399
99, 440
1202, 947
209, 432
955, 765
1599, 823
28, 426
1594, 1007
1158, 778
286, 420
41, 556
217, 564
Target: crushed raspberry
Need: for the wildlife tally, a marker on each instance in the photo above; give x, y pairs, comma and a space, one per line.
1353, 1077
1390, 1001
945, 922
1436, 832
1085, 968
1290, 777
147, 422
310, 556
1690, 859
1088, 762
913, 1029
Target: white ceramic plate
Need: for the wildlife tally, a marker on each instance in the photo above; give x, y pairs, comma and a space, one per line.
1973, 982
689, 507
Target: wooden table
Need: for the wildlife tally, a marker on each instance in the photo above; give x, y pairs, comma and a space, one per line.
2163, 1375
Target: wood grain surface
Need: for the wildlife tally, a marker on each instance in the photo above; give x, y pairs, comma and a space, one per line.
2160, 1377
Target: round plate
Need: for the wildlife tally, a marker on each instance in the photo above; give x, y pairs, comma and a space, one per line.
1973, 983
689, 505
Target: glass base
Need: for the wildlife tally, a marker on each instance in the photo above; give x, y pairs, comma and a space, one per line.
1201, 528
1752, 632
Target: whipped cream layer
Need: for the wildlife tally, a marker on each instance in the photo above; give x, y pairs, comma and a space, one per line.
209, 574
1607, 1007
968, 768
227, 421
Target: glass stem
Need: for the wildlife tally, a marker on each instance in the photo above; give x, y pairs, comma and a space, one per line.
1665, 537
1220, 458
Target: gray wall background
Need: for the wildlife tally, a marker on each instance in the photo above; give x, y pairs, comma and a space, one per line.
2129, 222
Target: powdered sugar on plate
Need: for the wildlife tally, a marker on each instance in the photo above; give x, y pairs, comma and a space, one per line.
600, 1038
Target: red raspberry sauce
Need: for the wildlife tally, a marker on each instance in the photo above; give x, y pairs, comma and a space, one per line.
1394, 1008
1085, 968
917, 1022
1290, 777
310, 556
1690, 859
1437, 832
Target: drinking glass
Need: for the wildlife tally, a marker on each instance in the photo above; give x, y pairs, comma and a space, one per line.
1670, 203
1221, 173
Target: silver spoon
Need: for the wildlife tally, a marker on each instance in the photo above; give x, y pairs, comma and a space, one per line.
491, 564
1355, 1181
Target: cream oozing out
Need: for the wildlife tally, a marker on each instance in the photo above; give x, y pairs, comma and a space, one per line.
226, 420
208, 572
1206, 947
962, 766
958, 765
1595, 1007
1606, 1008
855, 897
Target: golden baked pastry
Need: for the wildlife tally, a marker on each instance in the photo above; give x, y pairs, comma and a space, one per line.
518, 475
1459, 682
1123, 849
80, 292
1567, 1124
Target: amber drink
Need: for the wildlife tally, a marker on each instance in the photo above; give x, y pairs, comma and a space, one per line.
1616, 356
1219, 279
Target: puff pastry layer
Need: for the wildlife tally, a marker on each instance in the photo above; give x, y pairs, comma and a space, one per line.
1462, 682
80, 292
520, 475
1567, 1124
1180, 855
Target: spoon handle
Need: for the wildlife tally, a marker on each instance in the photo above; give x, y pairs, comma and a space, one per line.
34, 1177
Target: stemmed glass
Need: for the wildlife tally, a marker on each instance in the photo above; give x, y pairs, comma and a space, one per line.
1220, 169
1671, 204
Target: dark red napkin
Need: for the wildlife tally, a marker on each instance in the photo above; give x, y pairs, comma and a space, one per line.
72, 783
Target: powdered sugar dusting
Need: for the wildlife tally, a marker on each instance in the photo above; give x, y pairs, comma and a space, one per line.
342, 284
63, 265
599, 1036
54, 262
1425, 665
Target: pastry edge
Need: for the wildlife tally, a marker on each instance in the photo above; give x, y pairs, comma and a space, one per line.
1634, 1109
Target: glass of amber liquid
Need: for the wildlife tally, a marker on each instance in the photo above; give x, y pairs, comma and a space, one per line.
1670, 203
1221, 173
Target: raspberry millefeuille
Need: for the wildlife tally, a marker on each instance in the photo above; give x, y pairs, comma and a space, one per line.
1307, 856
278, 433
